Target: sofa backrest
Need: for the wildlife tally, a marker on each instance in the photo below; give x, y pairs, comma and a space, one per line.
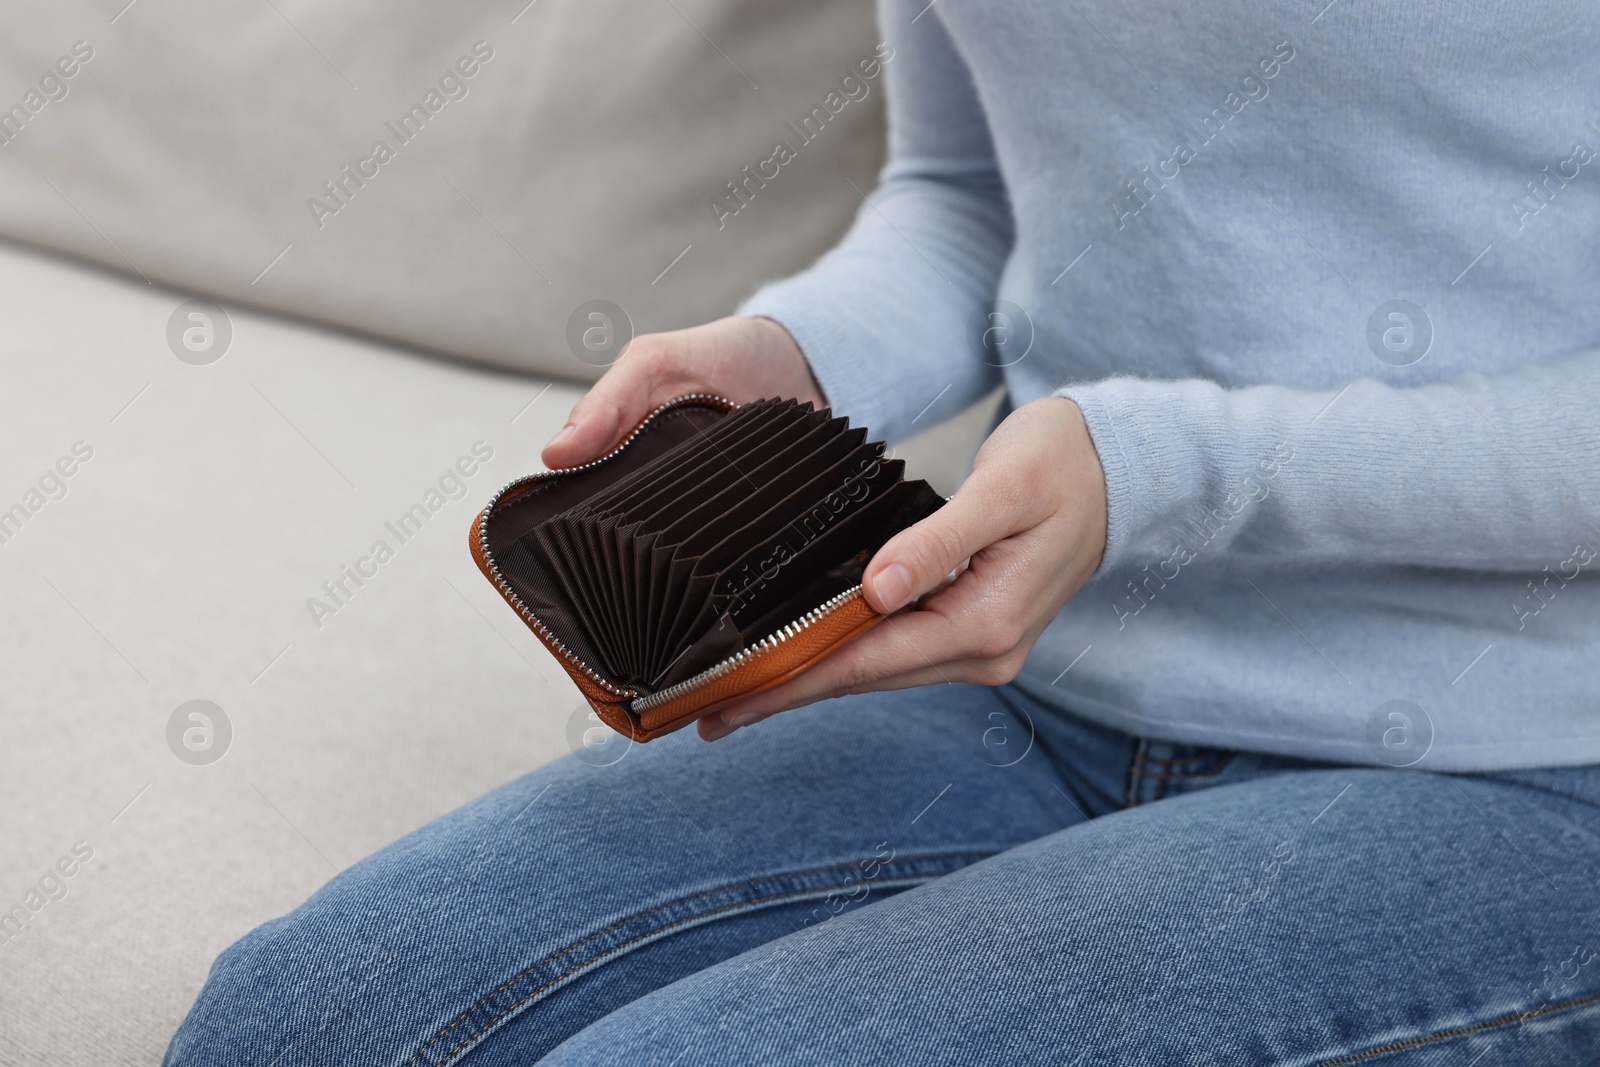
466, 178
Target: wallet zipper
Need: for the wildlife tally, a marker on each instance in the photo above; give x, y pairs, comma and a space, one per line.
767, 644
641, 704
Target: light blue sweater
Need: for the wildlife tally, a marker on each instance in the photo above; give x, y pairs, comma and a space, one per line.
1325, 280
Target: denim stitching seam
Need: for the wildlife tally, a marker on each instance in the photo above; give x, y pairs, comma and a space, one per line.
1496, 1023
1223, 759
601, 933
612, 951
1204, 754
1141, 753
464, 1016
1192, 761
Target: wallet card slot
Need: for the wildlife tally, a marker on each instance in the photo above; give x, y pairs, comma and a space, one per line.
595, 550
712, 642
551, 597
690, 456
580, 572
833, 561
523, 567
854, 479
578, 555
557, 491
617, 501
668, 463
693, 616
661, 582
603, 540
819, 588
722, 463
819, 503
615, 546
770, 455
543, 544
782, 474
776, 568
642, 624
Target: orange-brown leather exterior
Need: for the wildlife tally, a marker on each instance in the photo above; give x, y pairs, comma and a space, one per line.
799, 653
796, 654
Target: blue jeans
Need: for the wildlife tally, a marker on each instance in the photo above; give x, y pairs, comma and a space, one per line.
944, 875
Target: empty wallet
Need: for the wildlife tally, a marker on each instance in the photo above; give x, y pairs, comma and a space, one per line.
716, 552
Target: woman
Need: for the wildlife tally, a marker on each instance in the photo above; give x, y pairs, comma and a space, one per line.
1259, 723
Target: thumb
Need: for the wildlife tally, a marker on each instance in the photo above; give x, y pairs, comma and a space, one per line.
612, 406
919, 558
594, 424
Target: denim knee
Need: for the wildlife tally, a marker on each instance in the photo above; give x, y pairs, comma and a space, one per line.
288, 993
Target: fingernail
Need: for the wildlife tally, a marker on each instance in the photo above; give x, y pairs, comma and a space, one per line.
737, 719
893, 585
566, 431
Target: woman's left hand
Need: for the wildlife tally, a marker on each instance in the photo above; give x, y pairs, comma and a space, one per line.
1025, 531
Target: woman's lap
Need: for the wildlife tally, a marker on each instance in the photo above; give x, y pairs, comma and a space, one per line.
741, 902
1226, 926
668, 859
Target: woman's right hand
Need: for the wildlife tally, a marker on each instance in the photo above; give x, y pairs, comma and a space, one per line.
742, 359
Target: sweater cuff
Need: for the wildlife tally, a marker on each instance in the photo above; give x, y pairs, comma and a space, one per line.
1122, 518
852, 385
1185, 460
1161, 444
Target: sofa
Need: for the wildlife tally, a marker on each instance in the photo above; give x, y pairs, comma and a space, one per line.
256, 383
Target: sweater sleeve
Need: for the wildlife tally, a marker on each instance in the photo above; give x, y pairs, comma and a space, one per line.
883, 317
1494, 473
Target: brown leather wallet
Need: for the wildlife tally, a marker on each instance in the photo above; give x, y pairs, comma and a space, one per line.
716, 552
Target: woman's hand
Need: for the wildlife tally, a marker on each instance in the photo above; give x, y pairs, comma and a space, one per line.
1028, 526
742, 359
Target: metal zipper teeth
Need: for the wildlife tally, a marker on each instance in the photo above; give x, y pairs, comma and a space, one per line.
754, 652
504, 586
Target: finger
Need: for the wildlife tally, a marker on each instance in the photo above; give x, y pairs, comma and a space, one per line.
721, 723
638, 383
960, 633
920, 558
595, 422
